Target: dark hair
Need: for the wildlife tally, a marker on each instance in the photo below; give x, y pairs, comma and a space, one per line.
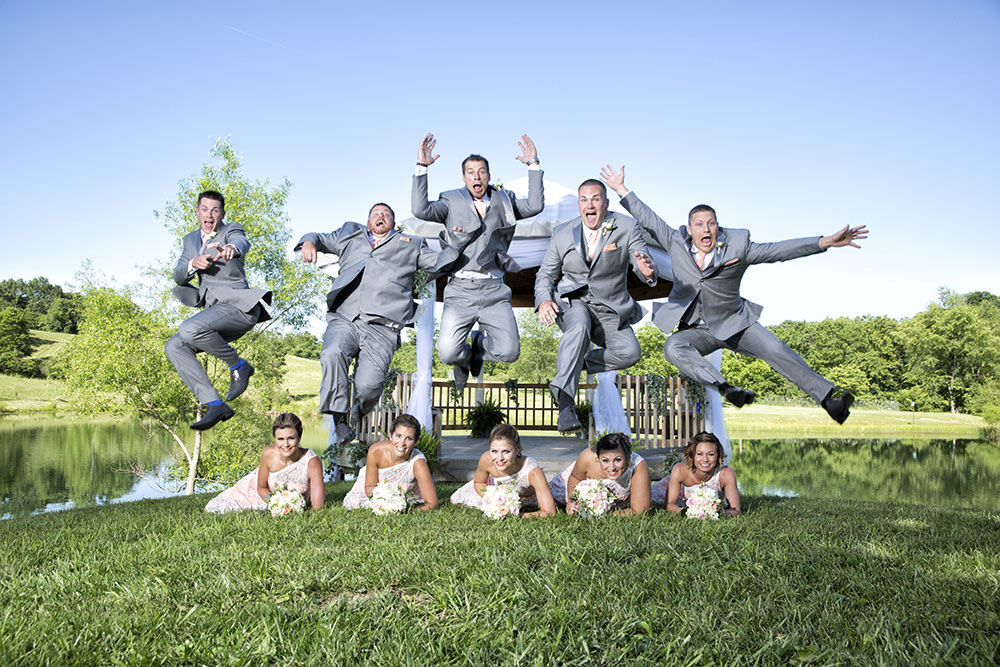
693, 443
476, 158
409, 421
613, 441
287, 420
382, 203
507, 433
212, 194
700, 208
594, 181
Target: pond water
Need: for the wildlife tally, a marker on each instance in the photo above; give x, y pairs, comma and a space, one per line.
51, 464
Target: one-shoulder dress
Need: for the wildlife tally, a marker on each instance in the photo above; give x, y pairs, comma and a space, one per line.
620, 488
466, 495
401, 473
243, 495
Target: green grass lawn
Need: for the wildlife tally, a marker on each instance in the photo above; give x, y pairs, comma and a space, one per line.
791, 582
769, 421
47, 343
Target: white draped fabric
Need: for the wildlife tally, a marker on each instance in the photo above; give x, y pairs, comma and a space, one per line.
714, 421
420, 400
609, 415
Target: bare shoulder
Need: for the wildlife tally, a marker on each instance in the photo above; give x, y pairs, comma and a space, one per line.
727, 476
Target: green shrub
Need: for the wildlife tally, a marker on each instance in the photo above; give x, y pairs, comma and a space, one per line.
430, 446
482, 418
583, 411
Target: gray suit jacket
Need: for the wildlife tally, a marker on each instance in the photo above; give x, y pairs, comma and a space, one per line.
484, 243
726, 312
374, 282
606, 275
222, 282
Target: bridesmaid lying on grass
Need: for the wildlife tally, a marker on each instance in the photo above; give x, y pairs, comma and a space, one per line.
395, 460
283, 463
702, 464
505, 463
623, 472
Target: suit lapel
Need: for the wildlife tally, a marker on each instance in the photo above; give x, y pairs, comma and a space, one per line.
721, 253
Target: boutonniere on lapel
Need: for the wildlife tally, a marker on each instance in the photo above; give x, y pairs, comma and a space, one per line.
719, 245
398, 227
211, 236
498, 185
608, 226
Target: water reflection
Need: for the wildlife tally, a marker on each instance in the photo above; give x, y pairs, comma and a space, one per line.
952, 473
48, 464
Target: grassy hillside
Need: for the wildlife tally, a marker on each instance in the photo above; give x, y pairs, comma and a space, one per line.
766, 421
793, 581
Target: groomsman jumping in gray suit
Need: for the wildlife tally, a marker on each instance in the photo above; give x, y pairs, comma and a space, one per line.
371, 301
705, 303
591, 302
479, 222
214, 253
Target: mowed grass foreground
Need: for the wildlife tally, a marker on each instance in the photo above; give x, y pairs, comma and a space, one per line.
791, 581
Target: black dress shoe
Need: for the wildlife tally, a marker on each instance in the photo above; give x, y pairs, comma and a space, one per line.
461, 375
568, 421
739, 397
239, 380
476, 361
213, 415
838, 409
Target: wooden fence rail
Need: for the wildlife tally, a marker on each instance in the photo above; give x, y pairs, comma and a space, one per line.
668, 422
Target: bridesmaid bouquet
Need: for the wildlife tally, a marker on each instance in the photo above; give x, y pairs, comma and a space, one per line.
703, 503
388, 498
593, 498
283, 500
500, 500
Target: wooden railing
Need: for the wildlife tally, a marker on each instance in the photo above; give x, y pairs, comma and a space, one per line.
665, 423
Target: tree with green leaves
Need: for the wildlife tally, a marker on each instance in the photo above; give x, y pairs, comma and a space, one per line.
539, 345
15, 344
117, 361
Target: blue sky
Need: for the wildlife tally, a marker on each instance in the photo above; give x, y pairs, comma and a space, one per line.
791, 118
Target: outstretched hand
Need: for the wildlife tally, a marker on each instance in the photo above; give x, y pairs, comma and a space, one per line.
528, 152
846, 236
426, 149
646, 267
309, 252
614, 179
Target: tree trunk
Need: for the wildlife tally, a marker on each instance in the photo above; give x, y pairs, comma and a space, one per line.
195, 455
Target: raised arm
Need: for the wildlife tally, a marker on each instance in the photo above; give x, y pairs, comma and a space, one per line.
422, 208
314, 242
533, 205
648, 218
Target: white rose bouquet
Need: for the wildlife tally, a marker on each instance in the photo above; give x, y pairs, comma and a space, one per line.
500, 500
592, 497
703, 503
388, 498
283, 501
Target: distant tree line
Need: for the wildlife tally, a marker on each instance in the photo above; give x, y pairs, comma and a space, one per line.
32, 304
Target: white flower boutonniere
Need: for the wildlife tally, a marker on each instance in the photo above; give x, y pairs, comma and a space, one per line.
719, 245
609, 226
211, 235
398, 227
498, 185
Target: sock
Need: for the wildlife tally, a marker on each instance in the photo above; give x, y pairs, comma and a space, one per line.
239, 364
724, 387
565, 401
216, 402
339, 418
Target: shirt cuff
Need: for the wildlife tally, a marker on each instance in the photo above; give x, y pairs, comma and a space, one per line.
534, 166
420, 170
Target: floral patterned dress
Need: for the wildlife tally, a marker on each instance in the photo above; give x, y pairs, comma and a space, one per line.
467, 495
620, 488
243, 495
401, 473
659, 491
